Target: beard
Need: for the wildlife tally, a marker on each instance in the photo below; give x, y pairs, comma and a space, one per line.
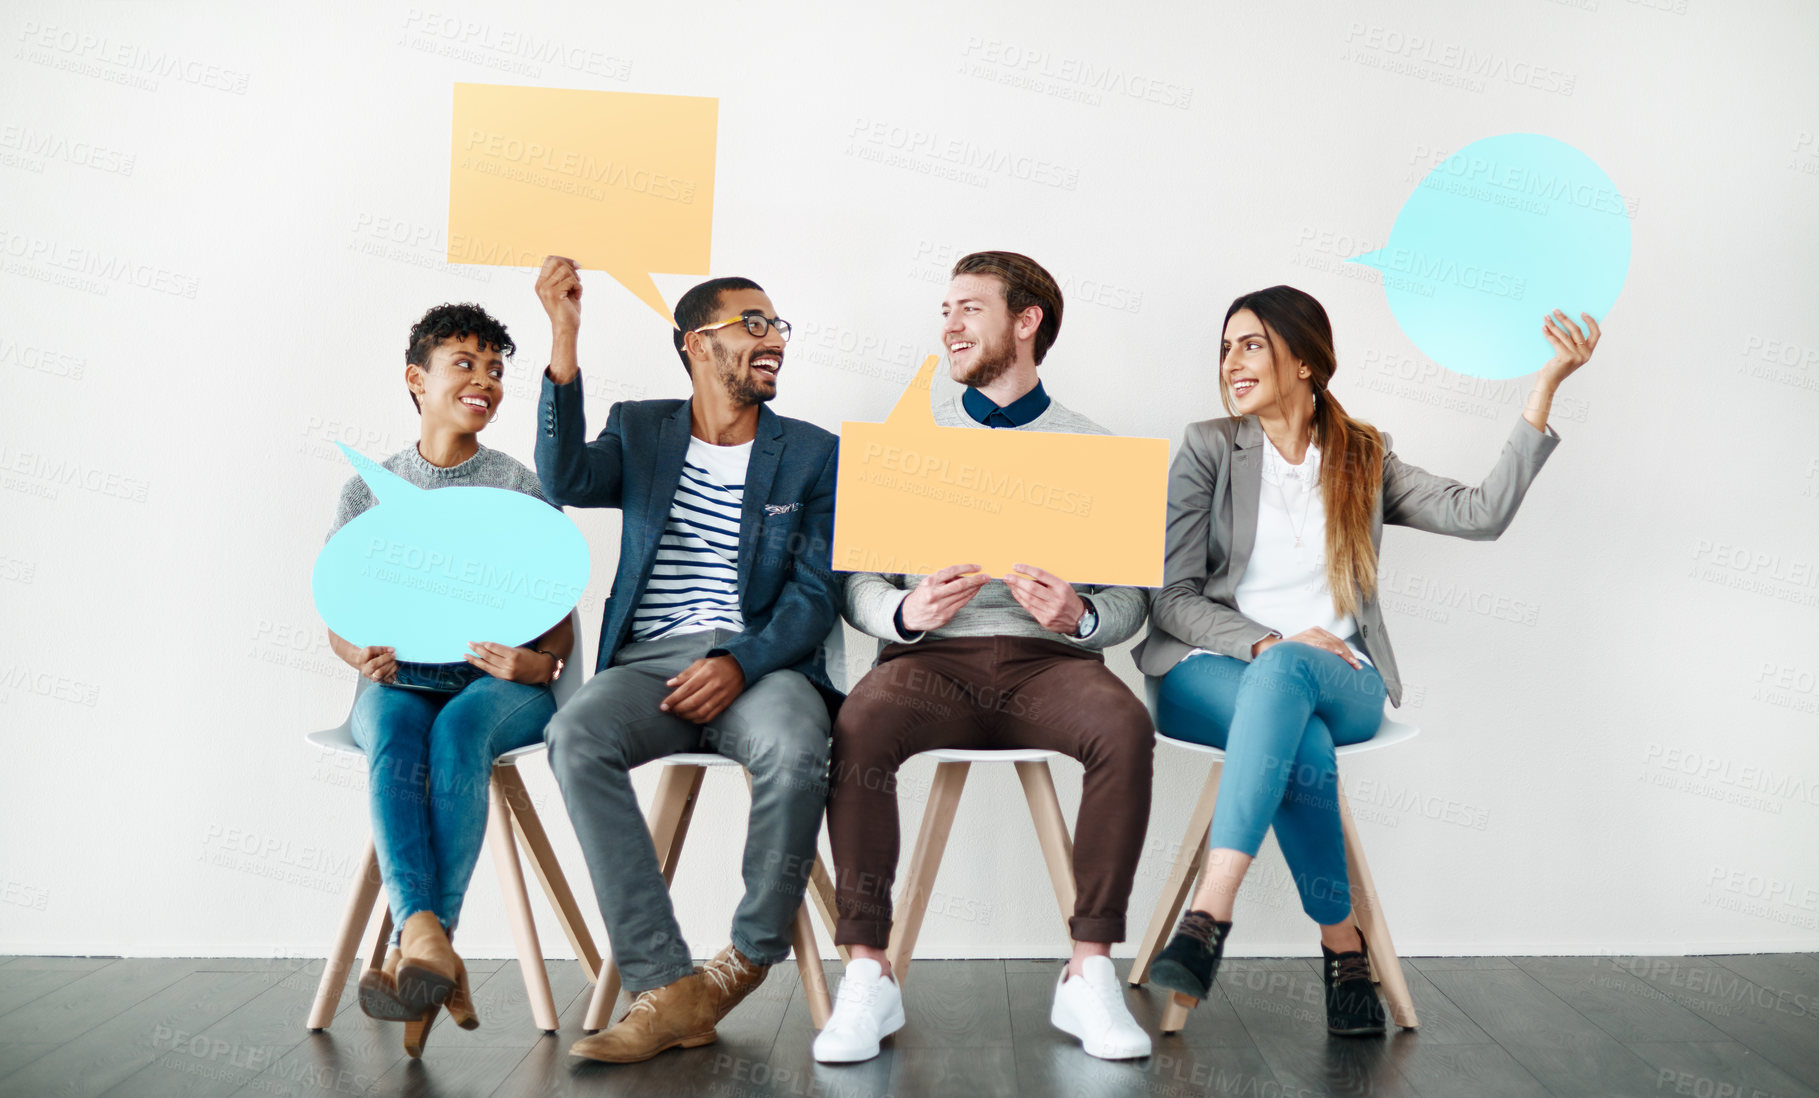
991, 358
738, 381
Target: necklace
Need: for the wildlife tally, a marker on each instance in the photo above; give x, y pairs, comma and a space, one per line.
1282, 465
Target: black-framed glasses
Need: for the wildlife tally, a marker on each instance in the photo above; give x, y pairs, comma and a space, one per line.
755, 322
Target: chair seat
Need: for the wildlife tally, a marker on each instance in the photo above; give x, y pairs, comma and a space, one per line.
697, 758
1388, 734
342, 739
1001, 754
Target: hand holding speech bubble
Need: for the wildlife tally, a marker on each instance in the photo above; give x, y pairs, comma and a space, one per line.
616, 181
425, 572
1501, 232
915, 497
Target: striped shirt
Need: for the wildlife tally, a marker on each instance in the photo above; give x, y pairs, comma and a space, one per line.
694, 583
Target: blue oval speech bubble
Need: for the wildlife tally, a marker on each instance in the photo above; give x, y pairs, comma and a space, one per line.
425, 572
1503, 231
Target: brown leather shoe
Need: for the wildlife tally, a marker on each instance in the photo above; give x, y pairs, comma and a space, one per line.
379, 991
429, 970
731, 976
679, 1014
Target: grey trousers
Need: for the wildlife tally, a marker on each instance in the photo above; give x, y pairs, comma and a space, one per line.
778, 729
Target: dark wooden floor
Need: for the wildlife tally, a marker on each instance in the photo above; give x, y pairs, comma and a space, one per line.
1708, 1027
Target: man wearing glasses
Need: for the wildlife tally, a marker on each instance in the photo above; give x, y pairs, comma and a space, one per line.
711, 641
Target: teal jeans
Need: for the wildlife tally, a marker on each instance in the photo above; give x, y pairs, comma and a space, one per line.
429, 762
1278, 719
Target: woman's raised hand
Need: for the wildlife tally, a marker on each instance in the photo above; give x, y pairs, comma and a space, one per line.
1572, 346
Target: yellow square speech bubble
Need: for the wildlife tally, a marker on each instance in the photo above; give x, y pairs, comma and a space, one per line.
616, 181
916, 497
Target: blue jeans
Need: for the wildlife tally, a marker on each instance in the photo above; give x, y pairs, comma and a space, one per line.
1278, 719
429, 763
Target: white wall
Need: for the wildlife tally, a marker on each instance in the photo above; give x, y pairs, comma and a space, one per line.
161, 658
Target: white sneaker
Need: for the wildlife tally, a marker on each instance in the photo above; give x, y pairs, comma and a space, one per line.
868, 1009
1091, 1007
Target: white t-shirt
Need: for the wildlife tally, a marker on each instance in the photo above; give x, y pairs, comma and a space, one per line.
1284, 584
694, 583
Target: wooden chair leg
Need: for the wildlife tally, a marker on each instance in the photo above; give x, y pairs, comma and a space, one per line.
808, 963
381, 940
1385, 965
1181, 878
518, 909
670, 813
912, 902
1051, 831
354, 917
821, 894
549, 871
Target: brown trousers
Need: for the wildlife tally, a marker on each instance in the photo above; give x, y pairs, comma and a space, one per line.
989, 692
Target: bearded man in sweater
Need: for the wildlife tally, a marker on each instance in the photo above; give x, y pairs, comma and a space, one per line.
970, 660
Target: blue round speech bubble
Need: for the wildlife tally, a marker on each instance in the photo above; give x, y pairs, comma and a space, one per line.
425, 572
1503, 231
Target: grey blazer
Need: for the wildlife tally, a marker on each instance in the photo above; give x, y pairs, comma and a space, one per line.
1213, 487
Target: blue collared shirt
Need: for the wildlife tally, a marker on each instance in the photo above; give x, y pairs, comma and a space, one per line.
1015, 414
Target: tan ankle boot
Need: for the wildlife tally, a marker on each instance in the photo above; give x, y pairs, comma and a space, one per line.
379, 991
680, 1014
429, 970
731, 976
416, 1032
460, 1004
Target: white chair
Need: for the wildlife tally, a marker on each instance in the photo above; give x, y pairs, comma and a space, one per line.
670, 813
511, 820
1386, 969
951, 768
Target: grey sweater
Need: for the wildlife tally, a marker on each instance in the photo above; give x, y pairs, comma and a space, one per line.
488, 468
872, 598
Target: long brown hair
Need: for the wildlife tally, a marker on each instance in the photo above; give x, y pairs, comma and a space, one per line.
1351, 451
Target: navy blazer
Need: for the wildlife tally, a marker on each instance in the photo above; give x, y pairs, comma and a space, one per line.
787, 592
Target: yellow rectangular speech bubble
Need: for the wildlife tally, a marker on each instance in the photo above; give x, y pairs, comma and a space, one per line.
616, 181
916, 497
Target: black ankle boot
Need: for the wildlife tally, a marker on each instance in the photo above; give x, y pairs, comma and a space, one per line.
1191, 959
1352, 1007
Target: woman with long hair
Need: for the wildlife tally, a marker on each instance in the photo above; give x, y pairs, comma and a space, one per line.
1267, 640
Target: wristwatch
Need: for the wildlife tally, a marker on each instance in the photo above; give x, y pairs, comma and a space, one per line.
1089, 620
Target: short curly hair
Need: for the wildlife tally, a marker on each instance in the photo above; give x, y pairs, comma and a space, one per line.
455, 322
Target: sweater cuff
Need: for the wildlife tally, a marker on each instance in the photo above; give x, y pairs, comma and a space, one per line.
904, 636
